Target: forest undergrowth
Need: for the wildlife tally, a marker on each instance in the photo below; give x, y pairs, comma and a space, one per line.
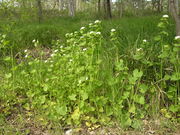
90, 80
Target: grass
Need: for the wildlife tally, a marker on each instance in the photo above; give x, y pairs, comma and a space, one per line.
93, 77
131, 30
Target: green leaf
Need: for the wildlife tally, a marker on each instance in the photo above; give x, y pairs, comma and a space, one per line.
171, 92
136, 124
120, 66
126, 120
143, 88
9, 75
72, 97
174, 108
137, 73
61, 110
76, 114
126, 95
157, 38
27, 106
45, 88
139, 99
84, 96
167, 77
132, 109
42, 99
175, 77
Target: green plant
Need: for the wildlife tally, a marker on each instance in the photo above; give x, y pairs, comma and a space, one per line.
86, 81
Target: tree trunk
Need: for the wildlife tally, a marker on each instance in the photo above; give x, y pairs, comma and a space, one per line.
105, 7
175, 15
177, 6
72, 7
160, 6
99, 6
109, 14
40, 14
61, 4
120, 8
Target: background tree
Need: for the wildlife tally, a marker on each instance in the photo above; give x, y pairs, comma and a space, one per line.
40, 12
72, 7
174, 12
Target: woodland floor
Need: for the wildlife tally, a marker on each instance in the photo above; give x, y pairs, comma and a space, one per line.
17, 124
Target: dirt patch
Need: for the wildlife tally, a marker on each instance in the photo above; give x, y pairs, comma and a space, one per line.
23, 125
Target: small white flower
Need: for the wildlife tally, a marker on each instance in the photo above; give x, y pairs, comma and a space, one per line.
55, 51
92, 32
26, 56
84, 49
46, 61
82, 28
25, 51
98, 33
113, 30
144, 40
90, 24
81, 37
34, 41
139, 49
165, 16
61, 46
97, 21
86, 78
177, 37
70, 60
80, 81
69, 132
67, 35
52, 55
4, 36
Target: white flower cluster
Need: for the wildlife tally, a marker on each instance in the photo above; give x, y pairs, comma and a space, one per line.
144, 40
177, 38
34, 41
139, 49
97, 21
25, 51
67, 35
52, 55
61, 46
55, 51
84, 49
93, 32
165, 16
90, 24
82, 28
113, 30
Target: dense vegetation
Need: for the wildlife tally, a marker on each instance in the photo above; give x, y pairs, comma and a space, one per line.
79, 73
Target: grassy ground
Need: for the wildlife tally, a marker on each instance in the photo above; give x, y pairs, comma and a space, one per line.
131, 32
131, 29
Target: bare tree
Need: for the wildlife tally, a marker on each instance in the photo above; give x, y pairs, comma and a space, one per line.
109, 14
61, 4
40, 14
160, 5
177, 6
72, 7
175, 15
99, 6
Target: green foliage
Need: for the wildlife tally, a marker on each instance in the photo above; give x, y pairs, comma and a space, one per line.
86, 82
